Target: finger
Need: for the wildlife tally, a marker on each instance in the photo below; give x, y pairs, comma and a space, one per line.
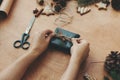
84, 41
76, 40
47, 32
73, 40
50, 36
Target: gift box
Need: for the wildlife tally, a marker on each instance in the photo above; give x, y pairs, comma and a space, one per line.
62, 40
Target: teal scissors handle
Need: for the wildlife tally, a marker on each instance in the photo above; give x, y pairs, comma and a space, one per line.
22, 43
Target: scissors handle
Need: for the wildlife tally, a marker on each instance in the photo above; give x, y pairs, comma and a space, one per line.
22, 43
17, 44
26, 45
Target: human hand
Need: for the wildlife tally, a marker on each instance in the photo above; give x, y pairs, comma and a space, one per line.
42, 40
80, 48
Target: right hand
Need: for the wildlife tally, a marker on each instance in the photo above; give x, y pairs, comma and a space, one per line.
80, 48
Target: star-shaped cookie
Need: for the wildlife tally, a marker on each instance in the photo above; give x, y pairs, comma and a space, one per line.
48, 10
101, 6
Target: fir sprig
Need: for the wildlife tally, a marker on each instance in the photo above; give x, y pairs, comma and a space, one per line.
86, 2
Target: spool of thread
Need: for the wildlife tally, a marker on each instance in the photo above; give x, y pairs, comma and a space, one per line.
5, 8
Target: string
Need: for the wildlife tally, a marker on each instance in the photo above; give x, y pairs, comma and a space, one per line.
86, 75
65, 17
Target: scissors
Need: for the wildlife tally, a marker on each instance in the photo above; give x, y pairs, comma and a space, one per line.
23, 42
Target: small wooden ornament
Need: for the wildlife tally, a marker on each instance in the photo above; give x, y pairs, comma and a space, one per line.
83, 6
88, 77
102, 5
48, 10
83, 10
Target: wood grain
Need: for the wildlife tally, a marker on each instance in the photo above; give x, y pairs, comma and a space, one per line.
100, 28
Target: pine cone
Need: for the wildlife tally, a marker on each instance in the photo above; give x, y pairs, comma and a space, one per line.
57, 8
63, 3
112, 63
115, 4
60, 4
40, 2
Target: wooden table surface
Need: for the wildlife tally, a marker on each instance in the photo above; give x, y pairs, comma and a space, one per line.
100, 28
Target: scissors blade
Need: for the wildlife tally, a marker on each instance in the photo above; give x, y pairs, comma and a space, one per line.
30, 25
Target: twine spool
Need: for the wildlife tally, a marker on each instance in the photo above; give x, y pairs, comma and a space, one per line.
5, 8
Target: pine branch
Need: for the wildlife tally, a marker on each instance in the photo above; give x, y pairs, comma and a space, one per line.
86, 2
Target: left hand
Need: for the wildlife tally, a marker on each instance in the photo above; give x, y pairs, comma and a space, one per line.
42, 40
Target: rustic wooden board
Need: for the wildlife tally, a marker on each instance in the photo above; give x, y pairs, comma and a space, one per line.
100, 28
